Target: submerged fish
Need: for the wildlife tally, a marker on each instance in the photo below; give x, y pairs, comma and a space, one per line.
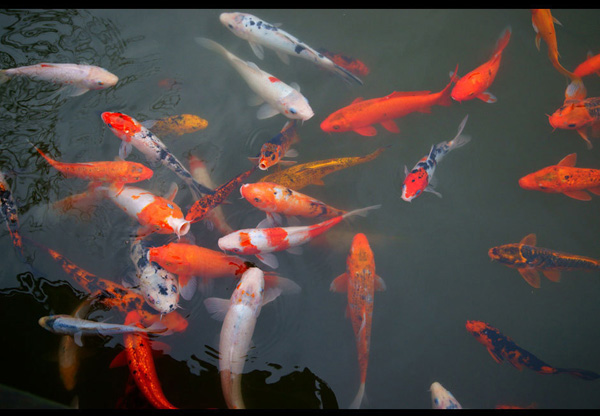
502, 348
298, 176
529, 259
81, 78
353, 65
590, 66
176, 125
259, 33
279, 97
442, 398
9, 213
578, 115
273, 151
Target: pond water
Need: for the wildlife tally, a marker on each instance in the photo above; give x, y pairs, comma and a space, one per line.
431, 252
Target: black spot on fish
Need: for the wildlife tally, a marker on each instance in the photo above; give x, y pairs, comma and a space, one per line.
259, 24
299, 48
162, 289
251, 22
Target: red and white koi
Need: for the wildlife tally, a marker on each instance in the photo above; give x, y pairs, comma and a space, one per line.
263, 241
259, 33
278, 96
420, 177
81, 77
133, 133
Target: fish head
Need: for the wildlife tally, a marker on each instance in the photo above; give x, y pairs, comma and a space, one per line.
47, 322
100, 78
335, 123
270, 154
139, 172
467, 87
482, 332
250, 288
260, 194
233, 242
414, 184
234, 22
508, 254
121, 124
545, 180
361, 255
160, 289
296, 106
572, 115
442, 398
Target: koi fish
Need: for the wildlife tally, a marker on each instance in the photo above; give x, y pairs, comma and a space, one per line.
259, 33
502, 348
278, 97
361, 114
173, 320
119, 171
133, 133
575, 90
275, 199
263, 241
68, 351
189, 261
77, 327
360, 282
215, 216
543, 24
81, 78
278, 147
9, 213
159, 287
138, 357
239, 315
475, 83
298, 176
202, 206
153, 212
442, 398
177, 125
353, 65
529, 259
419, 178
590, 66
578, 115
564, 178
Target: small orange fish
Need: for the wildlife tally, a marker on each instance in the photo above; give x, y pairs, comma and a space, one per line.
361, 114
543, 24
564, 178
176, 125
578, 115
353, 65
529, 259
360, 282
475, 83
278, 147
590, 66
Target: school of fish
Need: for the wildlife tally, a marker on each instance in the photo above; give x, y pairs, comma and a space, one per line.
166, 277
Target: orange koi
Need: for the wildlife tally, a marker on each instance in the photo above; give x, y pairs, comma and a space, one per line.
353, 65
361, 114
590, 66
119, 171
177, 125
529, 259
278, 147
564, 178
475, 83
138, 356
360, 282
202, 206
578, 115
543, 24
9, 212
502, 348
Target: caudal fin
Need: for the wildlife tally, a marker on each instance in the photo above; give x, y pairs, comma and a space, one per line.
460, 140
503, 40
583, 374
358, 398
445, 97
3, 76
214, 46
347, 75
361, 211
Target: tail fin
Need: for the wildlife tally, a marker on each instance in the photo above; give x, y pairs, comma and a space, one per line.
583, 374
346, 75
359, 397
503, 40
217, 47
3, 76
445, 97
459, 140
361, 211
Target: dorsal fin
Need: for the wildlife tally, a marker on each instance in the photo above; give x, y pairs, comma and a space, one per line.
529, 240
568, 160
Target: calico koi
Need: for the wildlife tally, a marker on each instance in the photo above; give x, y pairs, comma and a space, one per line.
360, 281
278, 147
578, 115
361, 114
259, 33
298, 176
419, 178
475, 83
529, 259
261, 242
279, 97
502, 348
564, 178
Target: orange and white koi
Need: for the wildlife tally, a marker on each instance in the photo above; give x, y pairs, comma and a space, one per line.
590, 66
133, 133
564, 178
261, 242
442, 398
239, 315
360, 281
475, 83
279, 97
420, 177
276, 199
81, 78
118, 171
8, 208
215, 217
578, 115
138, 357
273, 151
543, 24
259, 33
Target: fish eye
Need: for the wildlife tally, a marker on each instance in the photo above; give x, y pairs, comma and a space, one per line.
336, 127
436, 401
230, 26
572, 125
293, 111
256, 199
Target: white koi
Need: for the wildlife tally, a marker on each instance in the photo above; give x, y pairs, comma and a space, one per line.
259, 33
81, 78
278, 96
442, 398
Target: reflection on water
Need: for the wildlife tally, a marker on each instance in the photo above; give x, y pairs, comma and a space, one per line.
432, 252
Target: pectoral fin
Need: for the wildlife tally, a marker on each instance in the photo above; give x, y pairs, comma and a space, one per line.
553, 275
187, 286
77, 338
531, 276
488, 97
269, 259
595, 191
258, 50
390, 126
266, 111
366, 131
495, 356
580, 195
340, 283
217, 307
124, 150
584, 136
379, 283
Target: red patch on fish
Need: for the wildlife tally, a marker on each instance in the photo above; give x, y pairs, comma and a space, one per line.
278, 238
273, 79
